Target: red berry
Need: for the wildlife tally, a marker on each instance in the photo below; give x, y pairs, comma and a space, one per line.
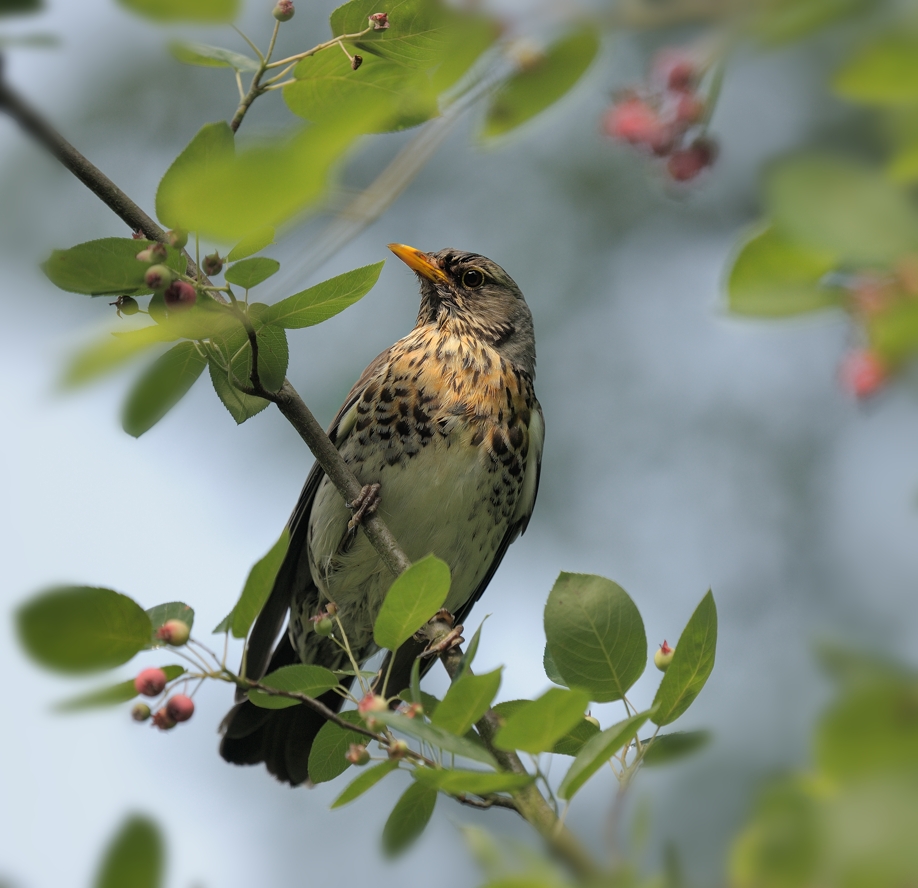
863, 373
675, 69
179, 295
150, 682
174, 632
686, 163
179, 708
634, 121
163, 720
284, 10
158, 277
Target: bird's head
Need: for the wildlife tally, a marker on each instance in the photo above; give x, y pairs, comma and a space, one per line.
476, 297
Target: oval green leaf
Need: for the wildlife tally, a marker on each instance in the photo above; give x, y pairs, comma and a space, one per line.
668, 748
251, 244
456, 780
692, 664
82, 628
597, 751
409, 817
367, 780
539, 85
134, 858
205, 56
538, 726
250, 273
240, 405
884, 72
411, 601
466, 701
548, 663
258, 586
301, 678
324, 300
436, 736
570, 744
326, 758
161, 387
595, 635
203, 11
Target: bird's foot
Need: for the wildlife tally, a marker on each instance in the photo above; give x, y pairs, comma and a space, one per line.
441, 634
366, 504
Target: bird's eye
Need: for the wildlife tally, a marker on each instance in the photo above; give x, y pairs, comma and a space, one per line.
472, 279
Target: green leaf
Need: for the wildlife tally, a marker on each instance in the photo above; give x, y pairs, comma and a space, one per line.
466, 701
835, 206
82, 628
597, 751
903, 168
884, 72
251, 244
300, 678
258, 586
436, 736
668, 748
205, 56
135, 858
773, 277
408, 819
240, 405
112, 695
162, 613
364, 781
893, 334
411, 601
324, 300
548, 663
236, 350
538, 726
570, 744
251, 272
471, 650
692, 664
541, 83
111, 352
428, 701
782, 21
20, 7
595, 635
380, 96
184, 10
161, 387
326, 758
105, 267
456, 780
226, 196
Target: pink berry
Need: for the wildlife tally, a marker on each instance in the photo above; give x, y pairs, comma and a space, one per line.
158, 277
284, 10
379, 20
150, 682
675, 69
633, 120
180, 708
179, 295
163, 720
174, 632
686, 163
863, 373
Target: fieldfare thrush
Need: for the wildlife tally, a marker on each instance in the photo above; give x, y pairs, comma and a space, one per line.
447, 423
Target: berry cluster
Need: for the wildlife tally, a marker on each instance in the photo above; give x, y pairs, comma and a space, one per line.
152, 682
178, 294
666, 117
874, 299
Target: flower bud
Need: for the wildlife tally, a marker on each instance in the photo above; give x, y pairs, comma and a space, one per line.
357, 754
398, 749
180, 295
283, 12
140, 712
212, 264
150, 682
174, 632
379, 20
158, 277
179, 708
663, 657
331, 608
177, 238
145, 255
163, 720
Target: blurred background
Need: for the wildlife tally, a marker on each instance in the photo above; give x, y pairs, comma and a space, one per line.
685, 449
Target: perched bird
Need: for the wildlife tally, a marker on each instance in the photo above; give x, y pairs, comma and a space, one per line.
447, 423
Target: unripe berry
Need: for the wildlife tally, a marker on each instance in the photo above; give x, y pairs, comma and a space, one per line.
140, 712
686, 163
592, 720
663, 657
163, 720
863, 373
174, 632
398, 749
179, 708
324, 626
212, 264
158, 277
125, 305
180, 295
150, 682
357, 754
283, 12
368, 705
177, 238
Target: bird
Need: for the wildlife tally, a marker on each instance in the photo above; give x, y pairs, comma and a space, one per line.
447, 423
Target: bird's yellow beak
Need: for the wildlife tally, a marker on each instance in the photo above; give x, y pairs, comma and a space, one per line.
420, 263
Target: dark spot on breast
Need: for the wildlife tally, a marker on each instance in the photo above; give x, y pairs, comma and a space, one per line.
401, 392
386, 394
384, 434
403, 428
403, 408
369, 392
477, 438
525, 416
386, 420
362, 423
420, 416
515, 436
498, 444
514, 467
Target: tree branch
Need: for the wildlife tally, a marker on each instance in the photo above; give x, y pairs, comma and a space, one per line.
529, 802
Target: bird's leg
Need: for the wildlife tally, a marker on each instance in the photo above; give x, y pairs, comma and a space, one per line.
366, 504
440, 633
